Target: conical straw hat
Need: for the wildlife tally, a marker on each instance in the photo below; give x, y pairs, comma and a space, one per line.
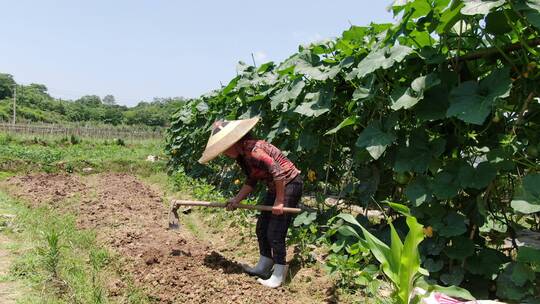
224, 135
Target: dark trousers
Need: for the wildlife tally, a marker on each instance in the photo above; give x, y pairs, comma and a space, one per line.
272, 229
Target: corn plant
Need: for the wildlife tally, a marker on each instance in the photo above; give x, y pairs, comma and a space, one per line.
400, 261
51, 253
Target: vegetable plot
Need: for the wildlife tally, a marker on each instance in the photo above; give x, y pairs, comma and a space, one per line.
439, 111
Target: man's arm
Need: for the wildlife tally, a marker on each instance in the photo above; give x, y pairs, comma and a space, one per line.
280, 198
242, 194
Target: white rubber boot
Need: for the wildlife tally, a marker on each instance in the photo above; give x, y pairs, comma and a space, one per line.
277, 278
262, 269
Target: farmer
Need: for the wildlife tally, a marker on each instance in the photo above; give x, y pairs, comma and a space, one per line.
260, 161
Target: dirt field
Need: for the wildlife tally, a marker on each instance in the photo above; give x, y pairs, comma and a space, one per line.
173, 267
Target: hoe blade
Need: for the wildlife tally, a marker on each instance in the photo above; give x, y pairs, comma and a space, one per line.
174, 221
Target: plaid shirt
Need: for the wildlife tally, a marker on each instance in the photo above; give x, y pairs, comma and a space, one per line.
261, 160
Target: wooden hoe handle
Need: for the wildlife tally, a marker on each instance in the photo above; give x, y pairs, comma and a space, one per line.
178, 203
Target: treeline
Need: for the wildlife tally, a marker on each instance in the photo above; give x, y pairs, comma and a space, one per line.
35, 104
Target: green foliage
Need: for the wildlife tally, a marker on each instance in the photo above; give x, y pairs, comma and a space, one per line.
59, 263
74, 139
304, 236
400, 262
6, 86
35, 104
60, 155
50, 253
120, 142
445, 102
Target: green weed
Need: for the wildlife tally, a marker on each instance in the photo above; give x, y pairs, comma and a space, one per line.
73, 155
74, 139
60, 263
50, 253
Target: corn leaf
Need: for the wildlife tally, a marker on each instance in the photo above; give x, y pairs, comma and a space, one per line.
410, 259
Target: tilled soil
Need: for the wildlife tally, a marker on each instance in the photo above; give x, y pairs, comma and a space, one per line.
131, 219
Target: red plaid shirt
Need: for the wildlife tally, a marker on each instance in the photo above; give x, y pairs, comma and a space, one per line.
261, 160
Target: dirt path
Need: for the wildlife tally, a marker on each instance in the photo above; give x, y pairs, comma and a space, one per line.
130, 218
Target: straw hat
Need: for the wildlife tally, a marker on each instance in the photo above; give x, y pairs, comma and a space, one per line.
224, 135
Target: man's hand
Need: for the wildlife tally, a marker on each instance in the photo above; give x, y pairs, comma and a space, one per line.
277, 209
232, 204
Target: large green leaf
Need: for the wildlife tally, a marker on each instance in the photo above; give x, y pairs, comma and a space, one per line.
307, 140
482, 7
446, 184
524, 206
419, 191
409, 264
278, 128
424, 83
403, 98
288, 93
304, 218
454, 277
531, 10
406, 98
403, 209
382, 58
432, 265
364, 90
533, 18
380, 250
472, 102
318, 104
396, 247
497, 23
460, 248
375, 140
478, 177
486, 263
529, 255
419, 153
346, 230
522, 274
202, 107
506, 288
449, 17
434, 105
351, 120
527, 198
309, 64
452, 225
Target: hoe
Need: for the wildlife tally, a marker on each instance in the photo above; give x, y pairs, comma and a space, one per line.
175, 205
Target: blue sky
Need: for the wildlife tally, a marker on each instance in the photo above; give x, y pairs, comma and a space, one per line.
137, 50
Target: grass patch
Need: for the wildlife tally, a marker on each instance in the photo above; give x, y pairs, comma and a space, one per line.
19, 154
60, 263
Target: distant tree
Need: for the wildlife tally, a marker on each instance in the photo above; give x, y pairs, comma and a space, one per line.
41, 88
34, 94
142, 104
6, 85
77, 112
113, 116
109, 100
90, 100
